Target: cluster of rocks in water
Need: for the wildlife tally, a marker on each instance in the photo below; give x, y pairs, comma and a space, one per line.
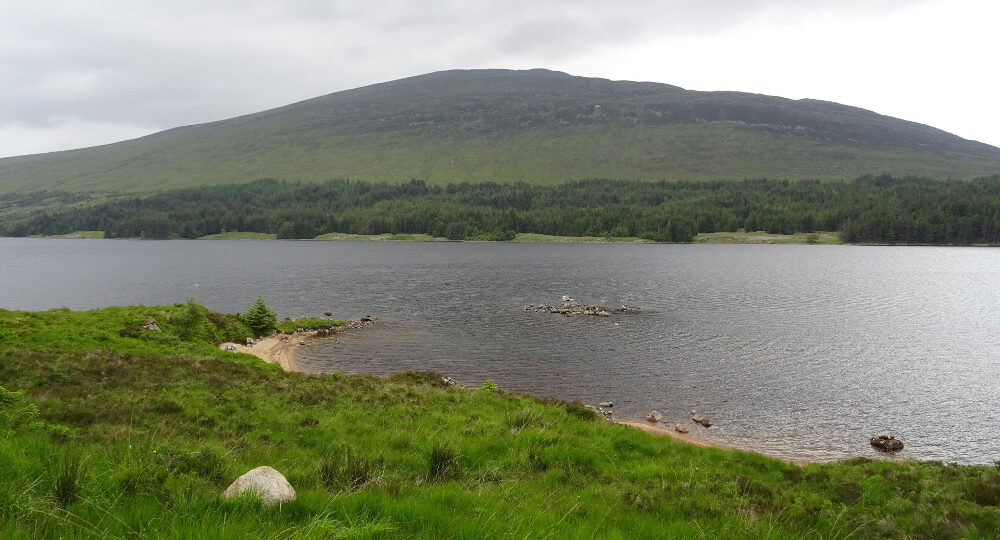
570, 307
654, 417
604, 408
365, 321
884, 443
887, 443
699, 419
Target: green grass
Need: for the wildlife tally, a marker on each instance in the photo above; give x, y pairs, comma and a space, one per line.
237, 235
306, 323
533, 237
762, 237
543, 156
391, 237
126, 432
77, 234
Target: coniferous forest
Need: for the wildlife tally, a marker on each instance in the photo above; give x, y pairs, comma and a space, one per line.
870, 209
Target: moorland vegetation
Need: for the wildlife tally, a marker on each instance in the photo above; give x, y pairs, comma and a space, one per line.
111, 427
533, 126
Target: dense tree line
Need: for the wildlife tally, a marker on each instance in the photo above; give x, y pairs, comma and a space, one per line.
869, 209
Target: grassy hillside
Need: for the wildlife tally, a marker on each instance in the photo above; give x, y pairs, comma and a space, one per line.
110, 430
505, 126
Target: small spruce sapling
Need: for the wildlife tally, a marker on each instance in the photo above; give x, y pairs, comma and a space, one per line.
260, 319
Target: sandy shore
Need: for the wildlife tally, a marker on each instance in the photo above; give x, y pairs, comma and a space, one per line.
660, 429
274, 349
663, 429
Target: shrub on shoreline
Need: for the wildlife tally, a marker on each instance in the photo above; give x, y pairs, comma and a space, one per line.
260, 319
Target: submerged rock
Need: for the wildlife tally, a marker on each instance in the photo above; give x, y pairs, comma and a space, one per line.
886, 443
679, 429
269, 484
654, 416
699, 419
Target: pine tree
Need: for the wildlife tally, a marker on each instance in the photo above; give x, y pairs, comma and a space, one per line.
260, 319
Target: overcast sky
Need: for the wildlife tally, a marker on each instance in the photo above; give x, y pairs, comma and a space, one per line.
76, 74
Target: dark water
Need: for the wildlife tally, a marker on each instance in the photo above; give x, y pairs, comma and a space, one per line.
798, 351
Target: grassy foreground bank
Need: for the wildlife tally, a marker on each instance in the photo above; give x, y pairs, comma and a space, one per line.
109, 429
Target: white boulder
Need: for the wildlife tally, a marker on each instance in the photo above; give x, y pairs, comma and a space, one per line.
269, 484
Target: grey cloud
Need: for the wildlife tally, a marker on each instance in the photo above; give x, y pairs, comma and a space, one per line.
188, 61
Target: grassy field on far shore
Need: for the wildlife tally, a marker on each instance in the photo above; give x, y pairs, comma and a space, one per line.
533, 237
240, 235
386, 236
762, 237
77, 234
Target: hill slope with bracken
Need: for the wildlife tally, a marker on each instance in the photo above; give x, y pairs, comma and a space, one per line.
535, 126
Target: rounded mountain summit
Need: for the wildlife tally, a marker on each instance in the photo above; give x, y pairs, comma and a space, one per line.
534, 126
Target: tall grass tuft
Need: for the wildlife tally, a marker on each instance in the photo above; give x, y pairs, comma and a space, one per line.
523, 419
67, 472
345, 468
985, 491
206, 463
580, 410
442, 464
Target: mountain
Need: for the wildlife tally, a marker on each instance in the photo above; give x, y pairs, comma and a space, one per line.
535, 126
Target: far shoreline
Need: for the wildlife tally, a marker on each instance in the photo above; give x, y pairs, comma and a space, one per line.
731, 237
724, 238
